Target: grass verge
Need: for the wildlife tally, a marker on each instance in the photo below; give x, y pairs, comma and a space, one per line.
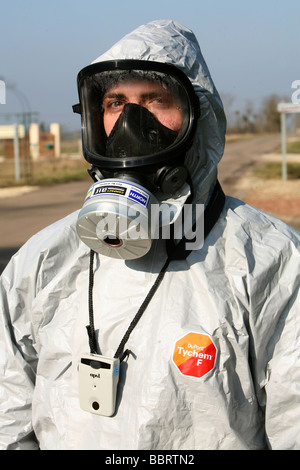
47, 172
273, 170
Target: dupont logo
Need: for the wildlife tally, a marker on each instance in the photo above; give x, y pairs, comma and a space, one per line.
194, 354
135, 196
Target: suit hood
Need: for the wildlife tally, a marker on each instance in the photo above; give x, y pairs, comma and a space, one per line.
169, 42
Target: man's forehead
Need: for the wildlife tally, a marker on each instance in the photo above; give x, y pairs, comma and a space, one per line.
136, 85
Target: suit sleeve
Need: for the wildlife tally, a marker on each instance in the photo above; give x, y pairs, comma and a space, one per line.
18, 360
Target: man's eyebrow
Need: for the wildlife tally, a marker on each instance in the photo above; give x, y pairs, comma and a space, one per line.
113, 95
150, 94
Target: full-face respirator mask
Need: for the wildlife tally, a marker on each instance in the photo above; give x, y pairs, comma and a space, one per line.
138, 120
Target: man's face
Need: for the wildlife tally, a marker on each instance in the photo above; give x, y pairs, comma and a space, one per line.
151, 95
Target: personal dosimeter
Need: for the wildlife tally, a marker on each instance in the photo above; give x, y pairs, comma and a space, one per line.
98, 381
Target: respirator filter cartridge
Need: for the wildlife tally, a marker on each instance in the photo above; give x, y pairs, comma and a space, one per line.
115, 219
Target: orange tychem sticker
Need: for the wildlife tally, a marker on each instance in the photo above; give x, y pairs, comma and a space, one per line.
194, 354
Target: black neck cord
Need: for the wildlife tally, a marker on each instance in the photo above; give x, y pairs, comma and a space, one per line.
91, 327
211, 215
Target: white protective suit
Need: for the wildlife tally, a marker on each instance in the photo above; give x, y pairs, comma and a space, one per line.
232, 306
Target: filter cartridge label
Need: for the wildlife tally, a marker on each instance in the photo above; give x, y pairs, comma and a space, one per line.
119, 188
137, 196
109, 189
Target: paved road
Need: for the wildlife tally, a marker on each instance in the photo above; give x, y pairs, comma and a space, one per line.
25, 214
240, 155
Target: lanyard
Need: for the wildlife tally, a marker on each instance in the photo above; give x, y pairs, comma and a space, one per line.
175, 252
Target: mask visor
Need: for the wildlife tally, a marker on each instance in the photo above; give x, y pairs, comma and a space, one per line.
149, 111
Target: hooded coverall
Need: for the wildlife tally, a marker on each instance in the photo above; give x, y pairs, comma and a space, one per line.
215, 361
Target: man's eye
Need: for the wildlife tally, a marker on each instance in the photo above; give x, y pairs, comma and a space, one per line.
115, 104
161, 101
157, 100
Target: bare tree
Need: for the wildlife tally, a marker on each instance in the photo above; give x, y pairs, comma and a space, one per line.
269, 118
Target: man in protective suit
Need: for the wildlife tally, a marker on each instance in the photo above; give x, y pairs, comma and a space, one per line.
189, 344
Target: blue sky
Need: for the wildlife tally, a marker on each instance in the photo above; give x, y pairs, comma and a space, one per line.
251, 47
